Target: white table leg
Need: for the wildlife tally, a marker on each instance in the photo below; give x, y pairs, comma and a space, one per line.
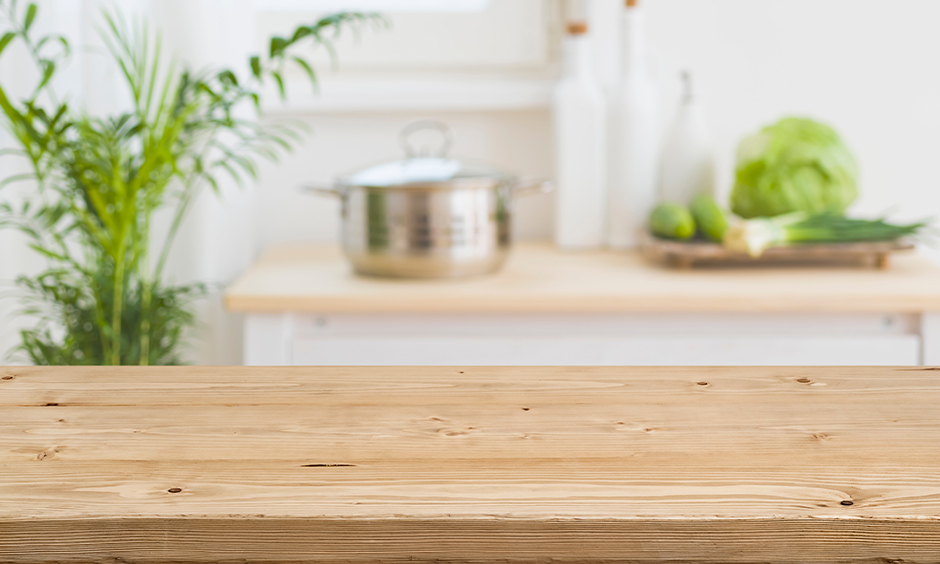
930, 339
269, 339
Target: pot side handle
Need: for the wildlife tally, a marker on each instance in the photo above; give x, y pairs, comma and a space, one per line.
322, 190
528, 187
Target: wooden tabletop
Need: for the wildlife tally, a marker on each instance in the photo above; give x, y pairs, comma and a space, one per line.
540, 279
356, 465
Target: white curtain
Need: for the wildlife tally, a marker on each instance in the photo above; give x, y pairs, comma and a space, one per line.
216, 241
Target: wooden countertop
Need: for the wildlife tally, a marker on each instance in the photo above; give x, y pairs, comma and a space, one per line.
357, 465
540, 279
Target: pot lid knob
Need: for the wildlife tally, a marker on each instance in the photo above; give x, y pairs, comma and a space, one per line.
413, 151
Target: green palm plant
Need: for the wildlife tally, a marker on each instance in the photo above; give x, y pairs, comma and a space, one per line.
104, 299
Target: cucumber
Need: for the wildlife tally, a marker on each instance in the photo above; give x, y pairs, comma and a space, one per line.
672, 221
709, 217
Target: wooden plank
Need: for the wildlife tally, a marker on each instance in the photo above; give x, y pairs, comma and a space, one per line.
706, 465
242, 387
262, 540
540, 279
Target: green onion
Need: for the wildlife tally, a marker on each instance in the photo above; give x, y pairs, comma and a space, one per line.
754, 236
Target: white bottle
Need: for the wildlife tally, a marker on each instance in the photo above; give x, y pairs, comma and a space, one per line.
688, 161
580, 121
634, 151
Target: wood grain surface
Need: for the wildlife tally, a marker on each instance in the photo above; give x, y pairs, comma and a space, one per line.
687, 254
643, 465
539, 279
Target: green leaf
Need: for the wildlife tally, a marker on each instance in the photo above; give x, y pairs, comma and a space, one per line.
334, 58
214, 184
228, 77
17, 178
7, 38
278, 44
57, 117
280, 84
311, 74
203, 87
17, 152
48, 71
256, 66
67, 49
302, 31
46, 252
232, 172
30, 16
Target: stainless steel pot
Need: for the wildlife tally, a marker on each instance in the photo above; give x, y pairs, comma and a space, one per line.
427, 216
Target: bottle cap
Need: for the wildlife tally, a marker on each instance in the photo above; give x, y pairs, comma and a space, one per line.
577, 28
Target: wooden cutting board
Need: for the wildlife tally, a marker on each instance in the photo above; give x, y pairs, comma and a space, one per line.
687, 254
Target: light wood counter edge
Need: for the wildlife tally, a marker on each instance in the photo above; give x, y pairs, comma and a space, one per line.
906, 288
568, 305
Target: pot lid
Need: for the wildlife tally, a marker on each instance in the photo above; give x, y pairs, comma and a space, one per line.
421, 167
422, 170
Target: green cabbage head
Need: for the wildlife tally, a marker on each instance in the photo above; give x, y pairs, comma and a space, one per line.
795, 165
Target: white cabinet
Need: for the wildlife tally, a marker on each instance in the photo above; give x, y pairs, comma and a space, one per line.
583, 340
304, 306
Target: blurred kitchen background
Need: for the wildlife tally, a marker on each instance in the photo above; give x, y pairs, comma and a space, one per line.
488, 68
